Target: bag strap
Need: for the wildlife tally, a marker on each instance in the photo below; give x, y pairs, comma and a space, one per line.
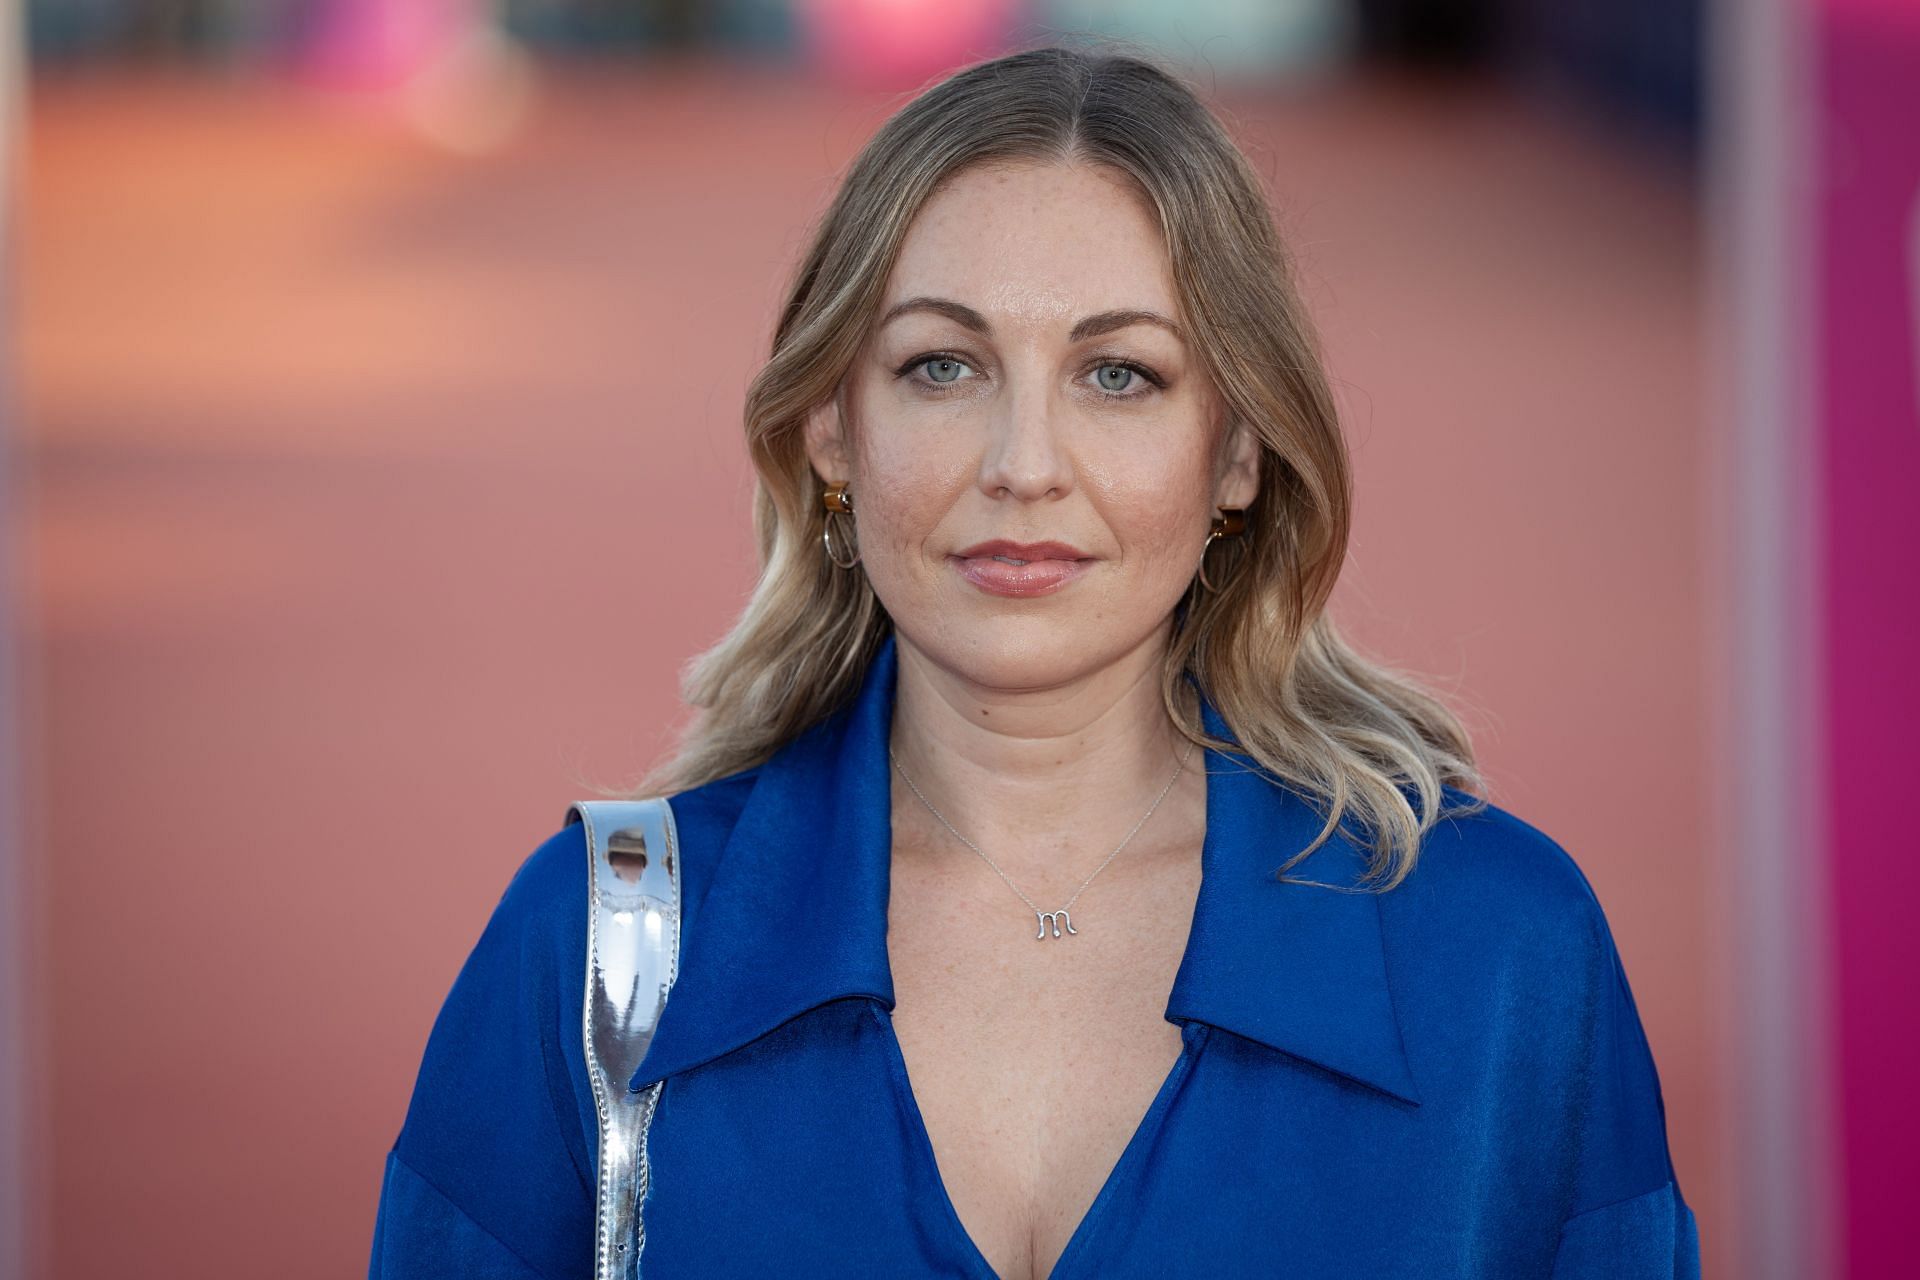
633, 956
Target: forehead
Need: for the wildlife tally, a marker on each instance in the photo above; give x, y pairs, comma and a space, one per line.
1036, 243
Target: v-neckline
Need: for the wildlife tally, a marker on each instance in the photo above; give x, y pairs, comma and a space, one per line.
1192, 1037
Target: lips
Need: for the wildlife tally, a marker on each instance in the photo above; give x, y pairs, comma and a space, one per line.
1023, 550
1003, 567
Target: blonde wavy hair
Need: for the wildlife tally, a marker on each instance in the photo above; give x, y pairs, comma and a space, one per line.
1367, 744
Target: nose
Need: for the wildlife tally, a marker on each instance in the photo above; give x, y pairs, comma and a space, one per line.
1024, 456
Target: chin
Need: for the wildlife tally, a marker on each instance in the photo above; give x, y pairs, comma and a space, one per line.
1017, 654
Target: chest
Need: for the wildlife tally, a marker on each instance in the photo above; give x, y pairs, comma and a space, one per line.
967, 1130
1032, 1062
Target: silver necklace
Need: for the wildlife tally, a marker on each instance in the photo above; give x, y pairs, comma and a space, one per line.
1048, 919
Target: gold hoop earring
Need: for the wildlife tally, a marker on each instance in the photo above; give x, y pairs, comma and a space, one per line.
1230, 523
838, 502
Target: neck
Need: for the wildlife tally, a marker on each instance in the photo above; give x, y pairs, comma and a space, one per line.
1041, 775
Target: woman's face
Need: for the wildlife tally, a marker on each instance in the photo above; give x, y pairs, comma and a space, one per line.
1017, 387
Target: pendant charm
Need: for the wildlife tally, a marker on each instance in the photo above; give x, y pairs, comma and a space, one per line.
1056, 919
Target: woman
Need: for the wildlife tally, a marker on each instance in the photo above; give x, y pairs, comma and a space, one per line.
1062, 896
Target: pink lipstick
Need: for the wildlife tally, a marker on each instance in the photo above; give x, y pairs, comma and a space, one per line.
1002, 567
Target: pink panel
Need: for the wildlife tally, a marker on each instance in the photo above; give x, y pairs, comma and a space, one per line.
1868, 166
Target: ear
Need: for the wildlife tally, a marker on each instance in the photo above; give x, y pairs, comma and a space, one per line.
826, 441
1239, 480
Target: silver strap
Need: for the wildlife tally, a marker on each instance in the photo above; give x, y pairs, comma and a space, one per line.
633, 954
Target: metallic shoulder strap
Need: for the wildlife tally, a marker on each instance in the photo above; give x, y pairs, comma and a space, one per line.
633, 954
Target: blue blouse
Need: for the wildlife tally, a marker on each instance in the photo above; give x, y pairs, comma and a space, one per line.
1449, 1079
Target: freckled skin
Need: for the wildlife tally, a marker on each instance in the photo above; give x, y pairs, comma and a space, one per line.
1025, 441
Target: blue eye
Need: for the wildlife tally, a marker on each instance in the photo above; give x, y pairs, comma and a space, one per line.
1113, 377
943, 369
1132, 372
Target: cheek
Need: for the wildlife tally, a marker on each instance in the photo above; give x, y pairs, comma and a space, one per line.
1161, 533
904, 496
903, 479
1159, 514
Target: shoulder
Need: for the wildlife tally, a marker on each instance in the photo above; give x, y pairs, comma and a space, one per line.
1491, 869
1505, 970
547, 890
1494, 904
553, 874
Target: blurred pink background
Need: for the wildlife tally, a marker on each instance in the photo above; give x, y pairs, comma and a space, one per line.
376, 463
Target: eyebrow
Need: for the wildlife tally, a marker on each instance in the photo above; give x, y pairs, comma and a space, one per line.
1093, 326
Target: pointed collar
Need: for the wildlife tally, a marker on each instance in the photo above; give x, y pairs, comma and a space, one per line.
796, 912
